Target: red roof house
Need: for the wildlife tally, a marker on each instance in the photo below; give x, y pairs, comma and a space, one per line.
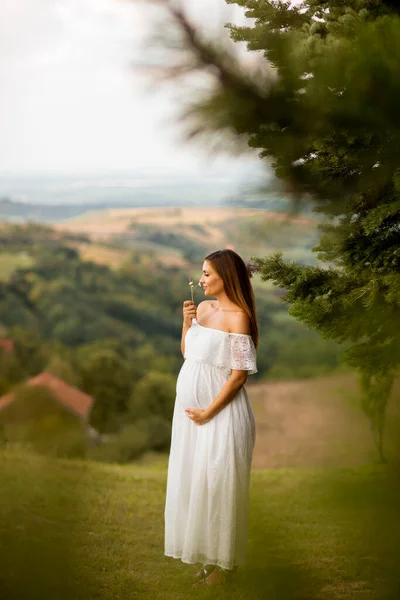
6, 345
67, 395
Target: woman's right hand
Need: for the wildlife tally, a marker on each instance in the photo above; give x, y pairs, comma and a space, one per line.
189, 312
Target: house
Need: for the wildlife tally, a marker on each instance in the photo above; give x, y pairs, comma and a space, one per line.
6, 345
68, 396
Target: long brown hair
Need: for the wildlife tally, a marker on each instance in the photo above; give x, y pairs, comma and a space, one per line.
237, 286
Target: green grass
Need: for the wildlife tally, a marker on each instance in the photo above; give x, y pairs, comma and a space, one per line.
79, 530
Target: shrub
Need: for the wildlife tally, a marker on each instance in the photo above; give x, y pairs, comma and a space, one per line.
159, 437
128, 445
153, 395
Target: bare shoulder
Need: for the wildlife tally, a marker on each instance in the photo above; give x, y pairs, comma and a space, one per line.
204, 307
239, 322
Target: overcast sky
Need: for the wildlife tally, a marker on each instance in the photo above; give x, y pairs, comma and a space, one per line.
69, 99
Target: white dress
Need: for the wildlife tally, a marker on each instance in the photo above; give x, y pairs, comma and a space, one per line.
206, 509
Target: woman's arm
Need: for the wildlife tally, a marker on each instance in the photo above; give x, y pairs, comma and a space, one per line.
185, 328
235, 382
189, 312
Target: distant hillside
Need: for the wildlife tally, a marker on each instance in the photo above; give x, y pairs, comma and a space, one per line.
58, 198
46, 286
22, 211
19, 211
190, 233
45, 199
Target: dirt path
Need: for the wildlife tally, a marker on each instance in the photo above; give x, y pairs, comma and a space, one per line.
311, 423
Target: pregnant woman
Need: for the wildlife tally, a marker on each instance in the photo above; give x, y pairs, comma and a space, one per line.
213, 430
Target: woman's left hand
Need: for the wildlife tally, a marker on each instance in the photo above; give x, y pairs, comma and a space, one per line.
198, 416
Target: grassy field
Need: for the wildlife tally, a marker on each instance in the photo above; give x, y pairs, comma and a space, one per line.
80, 530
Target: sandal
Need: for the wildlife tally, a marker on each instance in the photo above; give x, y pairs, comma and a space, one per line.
205, 579
205, 571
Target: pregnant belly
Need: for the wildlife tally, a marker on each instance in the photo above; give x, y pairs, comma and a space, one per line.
198, 384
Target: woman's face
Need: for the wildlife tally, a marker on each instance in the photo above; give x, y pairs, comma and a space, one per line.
211, 282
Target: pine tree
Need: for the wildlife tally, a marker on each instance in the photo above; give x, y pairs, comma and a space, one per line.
321, 107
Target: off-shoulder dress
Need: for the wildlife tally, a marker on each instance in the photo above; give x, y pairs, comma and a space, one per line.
206, 509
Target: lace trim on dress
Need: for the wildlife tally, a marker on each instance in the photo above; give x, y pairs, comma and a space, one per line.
222, 349
243, 353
